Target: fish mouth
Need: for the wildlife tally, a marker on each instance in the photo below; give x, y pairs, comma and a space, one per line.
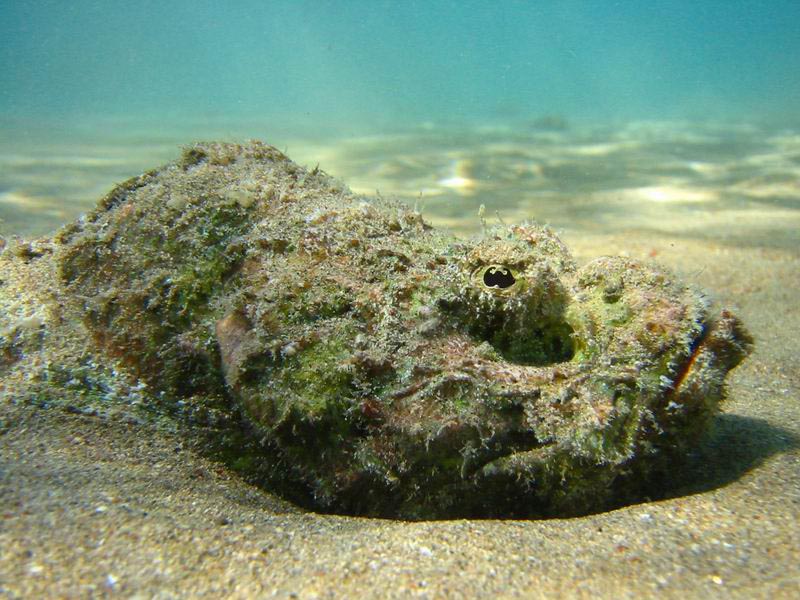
719, 345
458, 419
490, 421
483, 419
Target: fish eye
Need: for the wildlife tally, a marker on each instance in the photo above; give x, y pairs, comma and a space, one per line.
498, 277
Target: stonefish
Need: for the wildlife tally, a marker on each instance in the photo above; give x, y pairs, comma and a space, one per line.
384, 367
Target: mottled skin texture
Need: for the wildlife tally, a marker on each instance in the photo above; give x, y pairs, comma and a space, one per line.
389, 368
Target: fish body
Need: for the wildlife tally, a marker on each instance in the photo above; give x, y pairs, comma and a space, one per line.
389, 368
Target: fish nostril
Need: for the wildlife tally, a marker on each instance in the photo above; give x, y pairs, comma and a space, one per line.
498, 277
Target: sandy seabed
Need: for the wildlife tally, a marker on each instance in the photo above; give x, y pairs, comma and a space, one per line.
96, 504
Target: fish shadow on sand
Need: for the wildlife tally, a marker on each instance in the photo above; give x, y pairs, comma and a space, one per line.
735, 446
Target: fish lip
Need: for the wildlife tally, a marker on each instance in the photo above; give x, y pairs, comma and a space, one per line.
721, 345
684, 368
485, 471
473, 465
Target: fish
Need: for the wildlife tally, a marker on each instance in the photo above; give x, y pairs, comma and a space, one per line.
385, 367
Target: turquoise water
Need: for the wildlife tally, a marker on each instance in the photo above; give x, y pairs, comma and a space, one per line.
93, 92
370, 64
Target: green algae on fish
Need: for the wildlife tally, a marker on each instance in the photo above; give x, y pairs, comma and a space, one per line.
389, 368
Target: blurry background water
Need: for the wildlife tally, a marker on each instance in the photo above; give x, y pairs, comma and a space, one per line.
678, 117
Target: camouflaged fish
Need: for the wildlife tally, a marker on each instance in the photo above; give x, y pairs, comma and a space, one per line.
389, 368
